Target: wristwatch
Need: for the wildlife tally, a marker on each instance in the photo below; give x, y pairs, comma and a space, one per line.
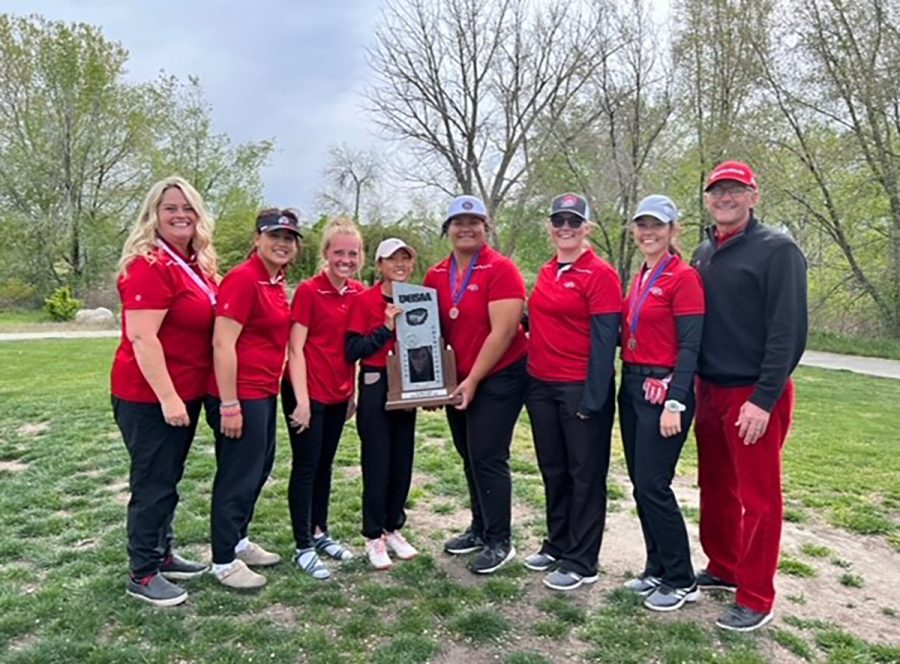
674, 406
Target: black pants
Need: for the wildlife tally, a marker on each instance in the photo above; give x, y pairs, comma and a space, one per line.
573, 455
242, 468
309, 490
651, 461
482, 434
387, 440
157, 453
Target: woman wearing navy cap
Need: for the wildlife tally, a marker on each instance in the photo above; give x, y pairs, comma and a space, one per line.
386, 437
253, 322
481, 296
663, 324
574, 314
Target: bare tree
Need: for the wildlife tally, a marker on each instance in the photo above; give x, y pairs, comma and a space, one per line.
466, 84
350, 172
841, 81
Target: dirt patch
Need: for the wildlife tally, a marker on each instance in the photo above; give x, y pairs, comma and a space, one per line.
33, 429
280, 615
13, 466
21, 643
121, 492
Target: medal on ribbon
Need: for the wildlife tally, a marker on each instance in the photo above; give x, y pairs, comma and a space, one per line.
457, 288
639, 296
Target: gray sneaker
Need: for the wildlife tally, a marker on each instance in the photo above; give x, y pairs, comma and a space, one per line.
708, 581
738, 618
539, 562
665, 598
565, 579
178, 568
643, 585
156, 590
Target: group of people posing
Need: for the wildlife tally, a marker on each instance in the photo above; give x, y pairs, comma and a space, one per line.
717, 337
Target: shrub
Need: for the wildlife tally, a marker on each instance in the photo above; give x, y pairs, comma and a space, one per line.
62, 305
16, 293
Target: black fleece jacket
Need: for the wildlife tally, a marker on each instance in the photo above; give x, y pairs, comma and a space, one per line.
755, 327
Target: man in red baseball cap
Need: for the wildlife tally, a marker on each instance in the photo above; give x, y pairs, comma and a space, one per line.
753, 336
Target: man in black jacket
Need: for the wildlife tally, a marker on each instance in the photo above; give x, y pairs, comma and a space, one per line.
753, 336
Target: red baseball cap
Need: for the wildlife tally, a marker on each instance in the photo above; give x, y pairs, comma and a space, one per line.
737, 171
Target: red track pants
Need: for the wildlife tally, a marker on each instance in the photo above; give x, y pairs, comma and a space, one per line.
741, 504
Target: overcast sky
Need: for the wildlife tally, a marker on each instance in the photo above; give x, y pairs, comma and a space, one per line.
288, 70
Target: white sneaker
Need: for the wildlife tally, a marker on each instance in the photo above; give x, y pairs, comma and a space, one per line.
377, 553
399, 546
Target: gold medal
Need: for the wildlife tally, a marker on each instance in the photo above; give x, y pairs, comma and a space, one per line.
632, 343
454, 313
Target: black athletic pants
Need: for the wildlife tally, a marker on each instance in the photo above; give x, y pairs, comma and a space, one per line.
651, 461
309, 490
387, 440
157, 453
482, 435
242, 468
573, 455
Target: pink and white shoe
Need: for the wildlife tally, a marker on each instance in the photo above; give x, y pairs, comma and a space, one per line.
377, 554
397, 544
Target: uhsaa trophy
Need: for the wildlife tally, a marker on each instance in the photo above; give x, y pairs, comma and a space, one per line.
422, 370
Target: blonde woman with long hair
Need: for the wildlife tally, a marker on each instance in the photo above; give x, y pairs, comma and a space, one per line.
167, 282
318, 392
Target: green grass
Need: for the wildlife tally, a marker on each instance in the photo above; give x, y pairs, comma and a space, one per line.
815, 551
865, 346
792, 567
851, 580
63, 483
23, 317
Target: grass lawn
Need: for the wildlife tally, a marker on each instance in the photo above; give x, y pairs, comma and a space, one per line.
63, 489
868, 347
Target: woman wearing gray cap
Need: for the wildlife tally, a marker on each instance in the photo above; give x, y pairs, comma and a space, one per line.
661, 330
481, 296
574, 313
386, 437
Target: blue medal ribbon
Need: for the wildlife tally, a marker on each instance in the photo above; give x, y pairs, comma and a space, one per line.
637, 303
456, 294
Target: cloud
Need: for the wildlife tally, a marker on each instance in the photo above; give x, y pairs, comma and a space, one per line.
290, 71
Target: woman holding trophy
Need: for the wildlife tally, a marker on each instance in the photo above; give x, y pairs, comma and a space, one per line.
481, 296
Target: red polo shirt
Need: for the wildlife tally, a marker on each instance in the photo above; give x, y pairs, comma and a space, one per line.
677, 292
185, 333
495, 277
559, 315
367, 315
322, 310
249, 296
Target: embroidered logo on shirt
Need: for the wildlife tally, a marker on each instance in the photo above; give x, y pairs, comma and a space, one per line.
473, 287
569, 284
656, 290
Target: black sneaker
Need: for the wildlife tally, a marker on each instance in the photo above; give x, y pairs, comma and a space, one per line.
176, 567
492, 558
707, 581
468, 542
741, 619
156, 590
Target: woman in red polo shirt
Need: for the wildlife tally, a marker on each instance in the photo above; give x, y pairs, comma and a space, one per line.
386, 437
481, 296
167, 283
661, 330
253, 323
317, 395
573, 324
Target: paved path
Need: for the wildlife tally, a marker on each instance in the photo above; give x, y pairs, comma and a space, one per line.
871, 366
60, 334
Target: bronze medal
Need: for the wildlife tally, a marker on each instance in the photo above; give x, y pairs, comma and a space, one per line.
632, 343
454, 313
